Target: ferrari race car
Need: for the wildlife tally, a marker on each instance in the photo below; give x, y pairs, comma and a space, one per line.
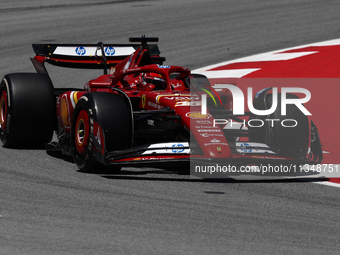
141, 112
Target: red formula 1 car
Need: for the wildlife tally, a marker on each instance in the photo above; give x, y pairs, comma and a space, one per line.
142, 113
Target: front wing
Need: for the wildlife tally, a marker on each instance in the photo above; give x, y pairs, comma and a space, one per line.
182, 152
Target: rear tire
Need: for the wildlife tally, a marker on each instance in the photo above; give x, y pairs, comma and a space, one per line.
114, 116
28, 110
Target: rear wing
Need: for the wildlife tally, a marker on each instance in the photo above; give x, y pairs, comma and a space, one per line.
95, 56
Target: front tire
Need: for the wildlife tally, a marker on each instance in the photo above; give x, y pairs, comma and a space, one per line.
113, 115
291, 140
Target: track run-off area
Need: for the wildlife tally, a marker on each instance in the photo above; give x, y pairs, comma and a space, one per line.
309, 66
48, 207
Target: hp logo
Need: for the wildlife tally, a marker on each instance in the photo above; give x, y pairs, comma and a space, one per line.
110, 51
80, 51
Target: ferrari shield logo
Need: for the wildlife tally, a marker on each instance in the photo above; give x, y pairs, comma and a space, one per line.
143, 100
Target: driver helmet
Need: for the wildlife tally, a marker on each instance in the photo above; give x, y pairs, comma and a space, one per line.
153, 81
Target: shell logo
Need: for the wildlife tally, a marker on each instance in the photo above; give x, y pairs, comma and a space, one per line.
197, 115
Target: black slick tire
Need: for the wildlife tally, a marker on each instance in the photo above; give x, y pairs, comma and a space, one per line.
28, 114
113, 115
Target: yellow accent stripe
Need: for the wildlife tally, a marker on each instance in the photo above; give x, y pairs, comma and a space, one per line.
75, 97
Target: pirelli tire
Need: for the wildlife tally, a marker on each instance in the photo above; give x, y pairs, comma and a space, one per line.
28, 110
114, 115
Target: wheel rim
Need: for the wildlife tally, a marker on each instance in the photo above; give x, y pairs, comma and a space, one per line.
3, 110
81, 135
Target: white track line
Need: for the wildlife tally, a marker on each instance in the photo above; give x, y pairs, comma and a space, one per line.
327, 183
266, 55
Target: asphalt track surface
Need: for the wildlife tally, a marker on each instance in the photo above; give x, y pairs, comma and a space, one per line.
48, 207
